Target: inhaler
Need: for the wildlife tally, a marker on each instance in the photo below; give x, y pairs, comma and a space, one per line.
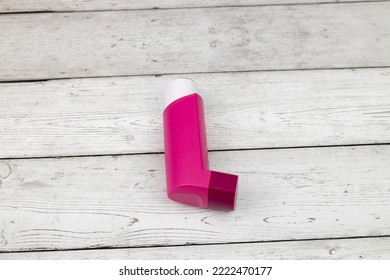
188, 177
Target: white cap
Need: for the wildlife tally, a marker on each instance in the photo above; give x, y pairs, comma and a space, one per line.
178, 88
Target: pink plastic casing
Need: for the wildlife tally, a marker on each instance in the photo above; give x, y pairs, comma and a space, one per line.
189, 179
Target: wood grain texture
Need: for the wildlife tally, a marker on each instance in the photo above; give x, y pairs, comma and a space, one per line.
10, 6
63, 45
95, 202
243, 110
347, 249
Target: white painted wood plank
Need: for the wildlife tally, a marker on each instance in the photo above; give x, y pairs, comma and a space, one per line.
120, 201
243, 110
9, 6
63, 45
347, 249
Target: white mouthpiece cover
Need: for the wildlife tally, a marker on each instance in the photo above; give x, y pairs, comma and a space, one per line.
178, 88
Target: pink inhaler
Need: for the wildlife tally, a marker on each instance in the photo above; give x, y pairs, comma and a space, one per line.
188, 177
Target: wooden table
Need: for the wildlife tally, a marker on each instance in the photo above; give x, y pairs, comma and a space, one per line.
297, 101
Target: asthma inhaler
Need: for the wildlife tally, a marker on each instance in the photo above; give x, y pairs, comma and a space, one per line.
189, 179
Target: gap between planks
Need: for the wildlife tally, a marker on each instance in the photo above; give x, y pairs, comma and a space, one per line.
112, 5
198, 73
342, 248
229, 150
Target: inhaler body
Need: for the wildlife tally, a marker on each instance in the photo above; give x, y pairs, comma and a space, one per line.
188, 177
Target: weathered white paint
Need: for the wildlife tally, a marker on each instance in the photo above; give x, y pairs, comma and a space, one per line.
243, 110
120, 201
62, 45
360, 248
9, 6
95, 202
